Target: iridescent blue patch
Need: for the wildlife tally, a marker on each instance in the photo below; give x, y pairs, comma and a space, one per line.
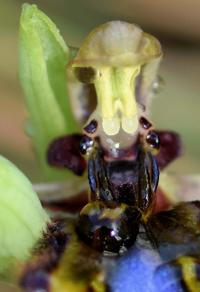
138, 271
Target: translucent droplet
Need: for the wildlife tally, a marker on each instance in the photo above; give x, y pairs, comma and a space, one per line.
158, 84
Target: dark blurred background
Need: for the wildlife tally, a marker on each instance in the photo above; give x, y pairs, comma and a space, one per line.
176, 24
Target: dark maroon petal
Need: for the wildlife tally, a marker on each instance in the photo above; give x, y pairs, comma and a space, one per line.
170, 147
64, 153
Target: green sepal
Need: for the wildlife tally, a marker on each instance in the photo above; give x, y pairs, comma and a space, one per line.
43, 59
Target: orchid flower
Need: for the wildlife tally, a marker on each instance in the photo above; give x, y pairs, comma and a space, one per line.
135, 210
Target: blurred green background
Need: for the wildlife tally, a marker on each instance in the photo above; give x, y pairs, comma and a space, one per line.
176, 24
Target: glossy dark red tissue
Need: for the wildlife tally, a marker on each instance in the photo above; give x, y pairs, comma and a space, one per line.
64, 153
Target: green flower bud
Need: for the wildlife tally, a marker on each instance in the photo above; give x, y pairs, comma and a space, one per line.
22, 218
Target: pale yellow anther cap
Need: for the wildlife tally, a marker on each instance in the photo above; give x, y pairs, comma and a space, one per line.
117, 43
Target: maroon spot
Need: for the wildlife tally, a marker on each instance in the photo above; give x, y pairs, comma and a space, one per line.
64, 153
170, 147
145, 123
91, 127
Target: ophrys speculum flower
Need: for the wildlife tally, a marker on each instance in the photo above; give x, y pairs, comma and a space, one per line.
123, 152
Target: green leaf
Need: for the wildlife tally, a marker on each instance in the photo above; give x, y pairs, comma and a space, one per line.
22, 218
43, 59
